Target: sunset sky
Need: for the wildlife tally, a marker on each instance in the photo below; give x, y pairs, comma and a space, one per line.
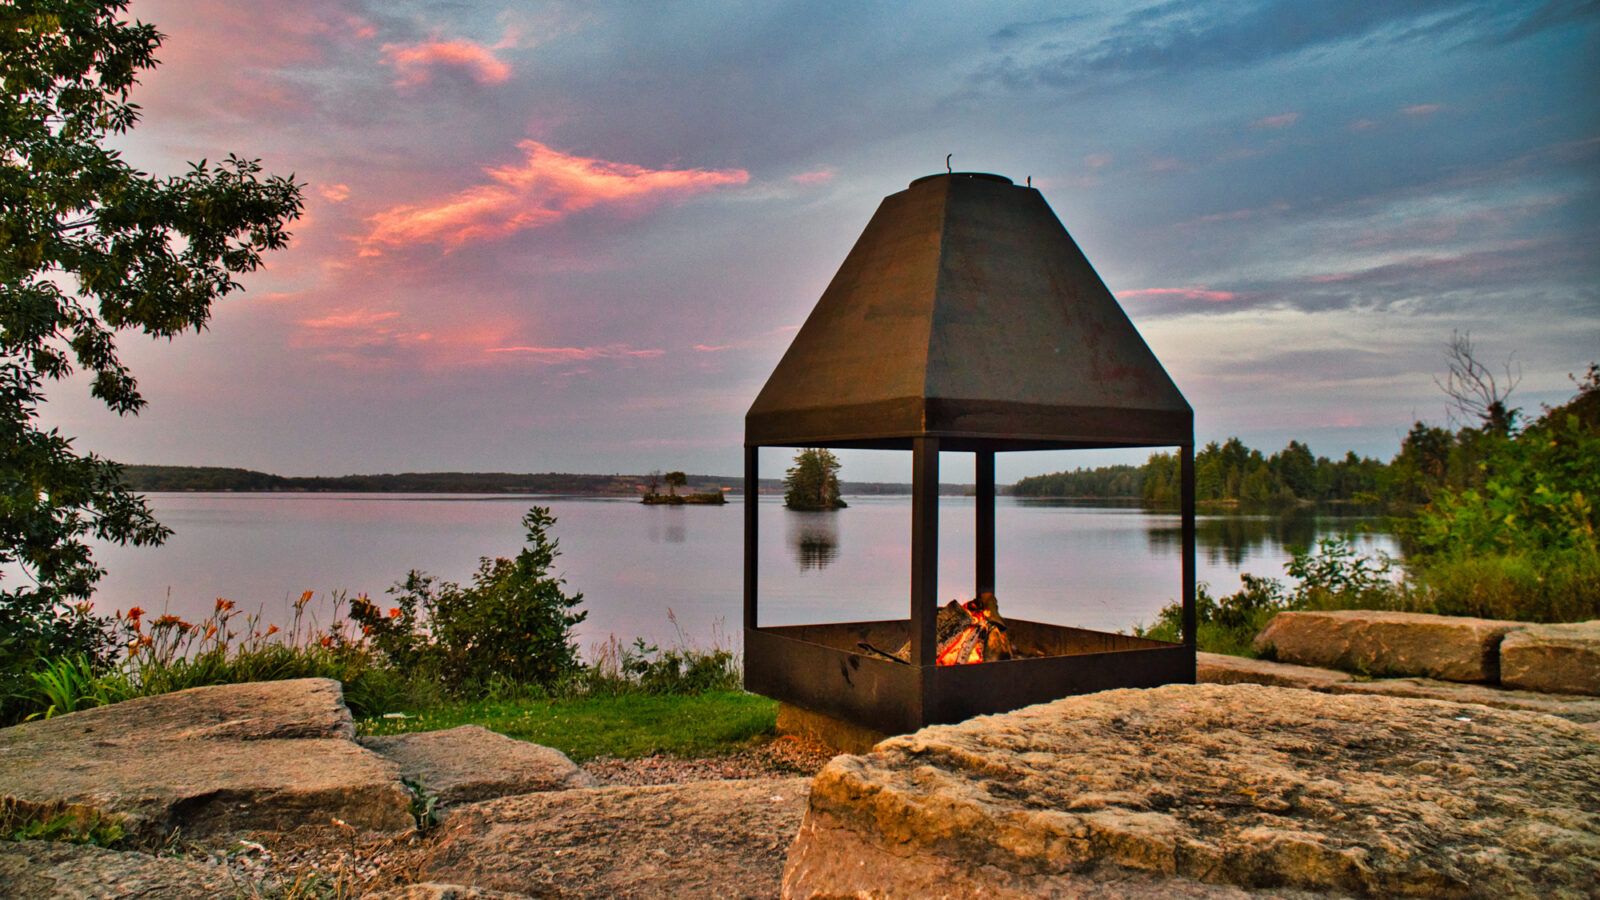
578, 237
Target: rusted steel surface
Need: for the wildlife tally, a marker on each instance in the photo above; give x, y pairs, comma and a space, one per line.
965, 311
822, 668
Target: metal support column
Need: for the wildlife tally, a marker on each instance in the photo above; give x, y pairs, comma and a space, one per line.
924, 549
1186, 474
984, 526
752, 501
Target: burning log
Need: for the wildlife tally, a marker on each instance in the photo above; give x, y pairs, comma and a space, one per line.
971, 632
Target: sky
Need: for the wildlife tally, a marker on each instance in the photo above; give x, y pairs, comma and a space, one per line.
579, 236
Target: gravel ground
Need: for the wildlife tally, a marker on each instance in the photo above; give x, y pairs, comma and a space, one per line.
781, 756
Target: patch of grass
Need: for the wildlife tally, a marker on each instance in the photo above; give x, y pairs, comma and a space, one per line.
68, 827
625, 726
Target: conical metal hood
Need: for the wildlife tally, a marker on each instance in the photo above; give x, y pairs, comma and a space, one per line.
966, 312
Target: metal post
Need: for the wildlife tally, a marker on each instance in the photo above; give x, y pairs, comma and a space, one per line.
985, 522
1187, 476
924, 549
752, 501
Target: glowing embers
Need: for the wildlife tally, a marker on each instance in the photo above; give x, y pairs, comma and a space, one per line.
971, 632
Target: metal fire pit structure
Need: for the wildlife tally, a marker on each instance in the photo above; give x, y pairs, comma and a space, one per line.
965, 319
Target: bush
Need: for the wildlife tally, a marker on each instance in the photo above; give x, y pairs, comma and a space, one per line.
513, 624
1333, 577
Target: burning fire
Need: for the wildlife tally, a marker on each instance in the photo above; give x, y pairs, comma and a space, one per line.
981, 638
968, 633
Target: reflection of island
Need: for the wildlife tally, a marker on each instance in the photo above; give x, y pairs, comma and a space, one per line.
814, 536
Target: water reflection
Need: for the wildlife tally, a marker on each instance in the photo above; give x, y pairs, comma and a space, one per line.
814, 538
670, 530
1229, 539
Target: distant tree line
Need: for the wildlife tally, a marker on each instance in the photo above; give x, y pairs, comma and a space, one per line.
213, 478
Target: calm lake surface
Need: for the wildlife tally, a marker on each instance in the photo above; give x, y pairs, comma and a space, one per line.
640, 567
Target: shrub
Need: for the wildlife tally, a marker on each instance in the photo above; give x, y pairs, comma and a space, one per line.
513, 623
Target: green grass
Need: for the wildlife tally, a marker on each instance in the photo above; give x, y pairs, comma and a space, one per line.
627, 726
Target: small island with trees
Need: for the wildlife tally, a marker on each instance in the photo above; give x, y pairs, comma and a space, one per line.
812, 483
675, 480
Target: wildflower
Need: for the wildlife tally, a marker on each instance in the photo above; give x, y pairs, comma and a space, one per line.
211, 631
366, 630
394, 612
169, 621
271, 630
304, 599
223, 605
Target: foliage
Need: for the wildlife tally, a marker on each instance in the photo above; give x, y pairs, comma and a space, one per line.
1230, 472
514, 622
90, 247
424, 804
1102, 482
1334, 576
644, 668
813, 481
88, 827
624, 726
674, 481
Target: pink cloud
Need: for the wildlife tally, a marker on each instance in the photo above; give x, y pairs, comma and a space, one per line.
1283, 120
415, 63
334, 193
820, 176
1097, 160
1363, 125
359, 319
1422, 109
554, 355
1184, 293
704, 349
547, 186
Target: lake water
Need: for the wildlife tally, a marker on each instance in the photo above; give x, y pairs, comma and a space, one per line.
1097, 566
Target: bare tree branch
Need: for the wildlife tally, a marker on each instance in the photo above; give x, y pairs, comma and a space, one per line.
1476, 396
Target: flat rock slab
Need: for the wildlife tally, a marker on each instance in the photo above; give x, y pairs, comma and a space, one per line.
40, 869
1572, 707
1197, 788
1217, 668
1558, 658
212, 761
709, 839
471, 763
1374, 642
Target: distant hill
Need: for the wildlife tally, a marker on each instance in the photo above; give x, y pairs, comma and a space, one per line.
219, 478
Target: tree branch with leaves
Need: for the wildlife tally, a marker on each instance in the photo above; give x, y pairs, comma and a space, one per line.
90, 247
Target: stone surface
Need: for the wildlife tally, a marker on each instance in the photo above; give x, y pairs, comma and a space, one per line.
436, 891
1373, 642
470, 763
1195, 788
1216, 668
712, 839
1559, 658
47, 869
211, 761
1572, 707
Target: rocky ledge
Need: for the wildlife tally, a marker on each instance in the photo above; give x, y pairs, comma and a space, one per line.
1209, 791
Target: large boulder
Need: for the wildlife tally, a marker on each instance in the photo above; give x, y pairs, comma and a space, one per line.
41, 869
470, 763
211, 761
1558, 658
1374, 642
1203, 790
709, 839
